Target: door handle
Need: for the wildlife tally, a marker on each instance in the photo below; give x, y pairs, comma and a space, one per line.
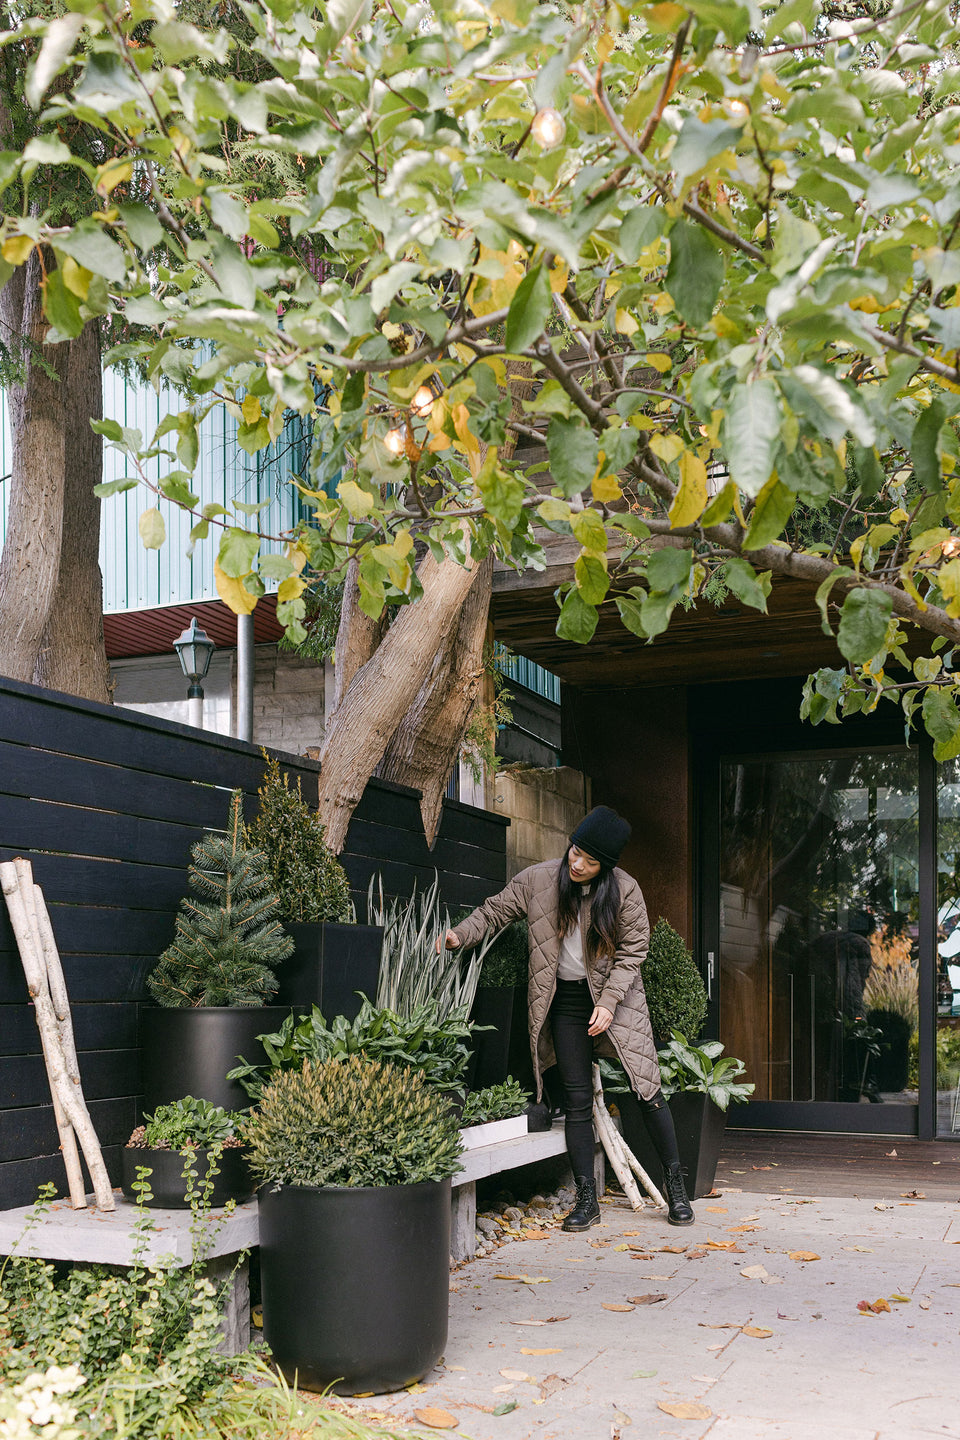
711, 973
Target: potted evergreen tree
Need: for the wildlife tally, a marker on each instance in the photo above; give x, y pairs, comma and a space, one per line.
697, 1083
211, 984
354, 1158
334, 959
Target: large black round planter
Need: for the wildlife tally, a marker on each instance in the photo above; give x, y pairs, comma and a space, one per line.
699, 1124
330, 963
188, 1052
355, 1283
167, 1183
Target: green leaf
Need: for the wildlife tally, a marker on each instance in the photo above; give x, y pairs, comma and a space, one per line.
142, 226
698, 142
238, 551
92, 247
574, 454
61, 306
746, 584
863, 624
751, 432
114, 487
235, 277
940, 716
772, 511
695, 273
175, 488
638, 229
502, 492
529, 310
577, 620
152, 530
926, 446
668, 568
631, 614
591, 578
58, 42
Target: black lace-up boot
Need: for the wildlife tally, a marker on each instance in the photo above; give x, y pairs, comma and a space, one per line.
586, 1212
679, 1209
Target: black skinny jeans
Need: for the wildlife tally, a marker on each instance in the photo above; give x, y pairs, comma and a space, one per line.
570, 1014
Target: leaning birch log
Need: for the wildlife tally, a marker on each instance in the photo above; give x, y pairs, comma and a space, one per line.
608, 1139
65, 1092
624, 1152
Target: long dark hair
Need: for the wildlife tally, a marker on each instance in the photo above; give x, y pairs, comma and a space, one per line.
604, 925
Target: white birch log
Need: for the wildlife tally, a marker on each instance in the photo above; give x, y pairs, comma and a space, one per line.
608, 1139
21, 906
626, 1155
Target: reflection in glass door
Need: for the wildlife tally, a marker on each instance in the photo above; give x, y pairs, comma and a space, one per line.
819, 877
948, 950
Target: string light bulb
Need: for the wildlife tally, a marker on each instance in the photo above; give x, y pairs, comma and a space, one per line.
548, 128
951, 547
396, 439
423, 402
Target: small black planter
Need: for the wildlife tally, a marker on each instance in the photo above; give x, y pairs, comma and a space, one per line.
329, 964
188, 1052
490, 1058
355, 1282
169, 1188
699, 1124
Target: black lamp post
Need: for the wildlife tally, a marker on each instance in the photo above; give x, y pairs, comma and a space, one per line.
194, 651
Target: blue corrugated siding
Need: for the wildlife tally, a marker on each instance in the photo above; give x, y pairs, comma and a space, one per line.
138, 579
531, 676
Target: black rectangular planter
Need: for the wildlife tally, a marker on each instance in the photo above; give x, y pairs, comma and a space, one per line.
490, 1058
699, 1124
330, 964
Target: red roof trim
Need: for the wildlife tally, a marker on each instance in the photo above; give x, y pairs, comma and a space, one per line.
152, 632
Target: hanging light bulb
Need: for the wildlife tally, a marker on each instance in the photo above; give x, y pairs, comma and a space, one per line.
951, 547
423, 402
396, 439
548, 128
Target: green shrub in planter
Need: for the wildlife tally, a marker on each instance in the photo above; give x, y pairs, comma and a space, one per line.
310, 882
496, 1102
676, 995
354, 1122
507, 961
685, 1067
226, 942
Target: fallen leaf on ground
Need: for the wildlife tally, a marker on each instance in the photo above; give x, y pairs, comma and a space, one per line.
638, 1254
672, 1249
598, 1244
621, 1309
551, 1384
504, 1407
863, 1249
685, 1409
575, 1259
526, 1279
724, 1325
705, 1379
631, 1232
502, 1389
653, 1299
754, 1272
877, 1308
509, 1374
802, 1255
436, 1419
415, 1389
643, 1374
912, 1195
620, 1417
925, 1302
761, 1167
882, 1205
716, 1209
756, 1332
550, 1320
720, 1244
740, 1229
536, 1234
900, 1299
720, 1346
525, 1350
890, 1154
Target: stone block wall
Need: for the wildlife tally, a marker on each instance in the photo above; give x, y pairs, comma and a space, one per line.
543, 807
288, 701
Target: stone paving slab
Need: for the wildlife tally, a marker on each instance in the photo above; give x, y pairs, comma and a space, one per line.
826, 1372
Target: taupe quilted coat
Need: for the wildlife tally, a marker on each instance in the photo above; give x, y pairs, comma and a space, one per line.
614, 981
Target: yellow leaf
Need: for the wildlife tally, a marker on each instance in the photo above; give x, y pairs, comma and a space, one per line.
553, 509
685, 1409
297, 557
526, 1279
659, 361
250, 409
559, 275
468, 441
606, 46
16, 250
625, 323
75, 277
606, 488
690, 499
233, 593
620, 1309
113, 173
666, 447
526, 1350
756, 1332
802, 1255
436, 1419
152, 529
291, 588
403, 543
358, 502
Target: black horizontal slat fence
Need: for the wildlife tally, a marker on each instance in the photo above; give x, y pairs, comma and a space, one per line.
106, 804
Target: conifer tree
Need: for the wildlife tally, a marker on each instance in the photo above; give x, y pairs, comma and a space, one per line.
226, 941
311, 883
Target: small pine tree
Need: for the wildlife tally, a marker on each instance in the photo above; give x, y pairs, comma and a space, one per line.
676, 996
310, 882
227, 941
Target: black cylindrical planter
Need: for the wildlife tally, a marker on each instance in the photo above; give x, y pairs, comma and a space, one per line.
167, 1183
330, 963
188, 1052
355, 1283
490, 1059
699, 1124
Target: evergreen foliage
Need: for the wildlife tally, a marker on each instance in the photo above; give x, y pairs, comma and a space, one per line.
310, 882
353, 1121
508, 960
676, 996
227, 941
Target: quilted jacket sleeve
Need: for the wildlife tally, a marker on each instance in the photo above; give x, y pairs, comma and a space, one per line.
632, 949
497, 912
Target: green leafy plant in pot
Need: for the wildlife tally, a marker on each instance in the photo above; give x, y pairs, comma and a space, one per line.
354, 1157
211, 984
697, 1083
334, 958
192, 1149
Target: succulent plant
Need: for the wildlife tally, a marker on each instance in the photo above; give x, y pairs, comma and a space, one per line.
188, 1122
352, 1121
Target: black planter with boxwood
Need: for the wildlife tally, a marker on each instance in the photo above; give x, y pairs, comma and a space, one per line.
333, 958
211, 984
354, 1157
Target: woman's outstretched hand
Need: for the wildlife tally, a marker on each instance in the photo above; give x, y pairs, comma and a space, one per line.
599, 1021
451, 941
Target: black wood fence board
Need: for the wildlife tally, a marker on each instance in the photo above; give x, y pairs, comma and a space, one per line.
66, 829
88, 977
104, 1074
80, 879
33, 1131
95, 1027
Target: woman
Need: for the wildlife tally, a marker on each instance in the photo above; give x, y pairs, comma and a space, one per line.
588, 938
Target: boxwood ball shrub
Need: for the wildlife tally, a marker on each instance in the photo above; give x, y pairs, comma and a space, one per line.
352, 1122
676, 996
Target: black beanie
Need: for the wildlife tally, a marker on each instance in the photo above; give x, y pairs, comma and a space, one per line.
602, 834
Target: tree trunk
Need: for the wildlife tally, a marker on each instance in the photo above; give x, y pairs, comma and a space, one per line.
426, 743
72, 655
383, 690
51, 604
357, 638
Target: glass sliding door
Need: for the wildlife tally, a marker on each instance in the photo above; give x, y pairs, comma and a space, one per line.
818, 928
948, 950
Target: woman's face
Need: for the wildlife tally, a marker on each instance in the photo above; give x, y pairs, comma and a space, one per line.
583, 868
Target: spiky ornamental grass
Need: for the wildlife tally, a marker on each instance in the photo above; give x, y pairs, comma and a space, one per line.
311, 883
226, 942
352, 1122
